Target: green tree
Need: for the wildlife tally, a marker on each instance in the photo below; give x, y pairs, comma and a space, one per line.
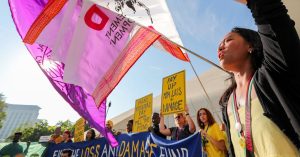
33, 133
2, 113
66, 125
41, 128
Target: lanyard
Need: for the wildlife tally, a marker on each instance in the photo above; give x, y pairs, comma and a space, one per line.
206, 131
204, 140
244, 135
207, 128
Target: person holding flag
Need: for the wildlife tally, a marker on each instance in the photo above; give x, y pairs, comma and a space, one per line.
261, 107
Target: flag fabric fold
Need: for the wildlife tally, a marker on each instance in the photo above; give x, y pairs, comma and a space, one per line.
166, 45
154, 14
85, 49
24, 14
101, 46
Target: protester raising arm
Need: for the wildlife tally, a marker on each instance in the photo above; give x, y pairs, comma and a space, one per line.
183, 129
189, 120
162, 129
265, 76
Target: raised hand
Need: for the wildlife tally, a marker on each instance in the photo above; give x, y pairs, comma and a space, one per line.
186, 108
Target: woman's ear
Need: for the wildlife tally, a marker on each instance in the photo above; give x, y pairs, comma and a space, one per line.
250, 51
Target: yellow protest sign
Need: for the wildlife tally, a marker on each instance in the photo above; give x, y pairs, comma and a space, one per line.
173, 93
142, 113
79, 130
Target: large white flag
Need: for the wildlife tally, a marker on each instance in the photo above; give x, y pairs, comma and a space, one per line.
153, 13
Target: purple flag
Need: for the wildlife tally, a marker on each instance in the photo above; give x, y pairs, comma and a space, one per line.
24, 13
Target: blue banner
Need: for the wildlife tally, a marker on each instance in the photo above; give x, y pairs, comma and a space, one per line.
132, 145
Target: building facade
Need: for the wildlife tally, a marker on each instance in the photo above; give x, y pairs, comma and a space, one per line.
16, 116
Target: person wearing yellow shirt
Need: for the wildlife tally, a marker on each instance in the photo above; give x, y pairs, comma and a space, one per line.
56, 137
213, 140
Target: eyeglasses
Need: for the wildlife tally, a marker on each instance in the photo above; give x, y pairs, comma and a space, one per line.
177, 117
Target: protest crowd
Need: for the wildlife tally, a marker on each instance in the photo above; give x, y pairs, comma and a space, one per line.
260, 108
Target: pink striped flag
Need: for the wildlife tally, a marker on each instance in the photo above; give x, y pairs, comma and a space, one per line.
24, 14
84, 49
97, 50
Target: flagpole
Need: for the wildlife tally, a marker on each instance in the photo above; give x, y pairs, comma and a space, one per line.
209, 100
195, 54
188, 50
201, 57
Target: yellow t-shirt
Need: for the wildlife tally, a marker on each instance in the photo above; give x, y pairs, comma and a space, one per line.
57, 138
268, 139
214, 132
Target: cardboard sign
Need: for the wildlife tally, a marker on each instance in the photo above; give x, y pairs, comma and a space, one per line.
44, 138
173, 97
79, 130
142, 113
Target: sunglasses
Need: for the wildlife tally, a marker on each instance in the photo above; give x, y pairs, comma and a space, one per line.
177, 117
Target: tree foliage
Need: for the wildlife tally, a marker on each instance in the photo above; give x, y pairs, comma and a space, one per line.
41, 128
66, 125
2, 113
